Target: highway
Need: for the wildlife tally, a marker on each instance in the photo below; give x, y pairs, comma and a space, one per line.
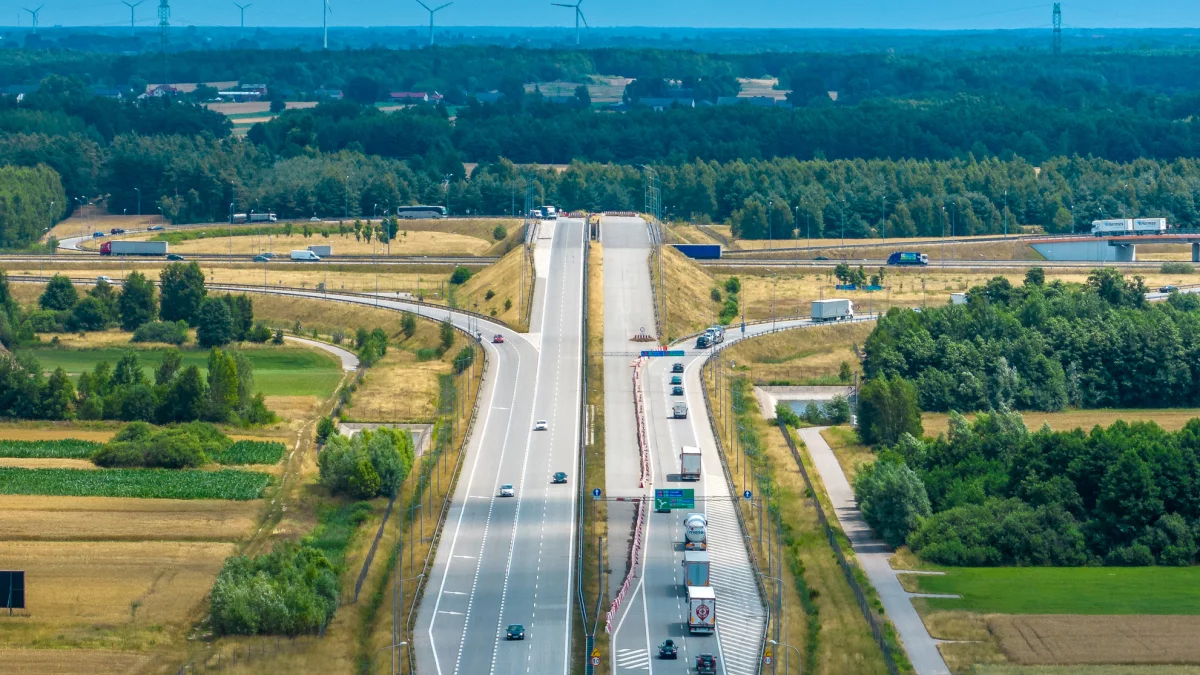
655, 608
510, 560
783, 264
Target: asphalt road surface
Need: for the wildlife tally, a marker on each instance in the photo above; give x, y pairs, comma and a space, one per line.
510, 560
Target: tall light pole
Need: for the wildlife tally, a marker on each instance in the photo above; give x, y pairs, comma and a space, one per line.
799, 659
1006, 215
139, 193
447, 181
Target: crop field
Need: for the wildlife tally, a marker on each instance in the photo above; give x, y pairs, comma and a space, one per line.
278, 371
1008, 669
1058, 639
100, 582
69, 448
1067, 590
251, 452
69, 661
35, 517
147, 483
1171, 419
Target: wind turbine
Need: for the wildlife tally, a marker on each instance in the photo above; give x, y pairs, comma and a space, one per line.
578, 16
131, 5
34, 14
431, 12
243, 10
325, 10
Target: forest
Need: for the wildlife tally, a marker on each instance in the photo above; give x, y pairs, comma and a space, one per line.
1046, 346
991, 493
31, 200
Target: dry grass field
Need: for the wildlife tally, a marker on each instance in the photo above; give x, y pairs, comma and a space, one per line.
36, 518
800, 355
1171, 419
52, 431
1072, 639
46, 463
72, 661
405, 244
1008, 669
402, 387
850, 453
232, 108
794, 291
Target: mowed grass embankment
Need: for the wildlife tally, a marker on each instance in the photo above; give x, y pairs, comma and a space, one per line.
278, 371
1065, 590
690, 307
1170, 419
504, 279
806, 355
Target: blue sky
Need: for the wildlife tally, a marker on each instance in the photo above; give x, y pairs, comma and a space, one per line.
926, 14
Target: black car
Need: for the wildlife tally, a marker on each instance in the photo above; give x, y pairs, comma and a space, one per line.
174, 256
677, 391
515, 632
559, 478
676, 380
820, 257
677, 368
667, 650
1167, 289
117, 230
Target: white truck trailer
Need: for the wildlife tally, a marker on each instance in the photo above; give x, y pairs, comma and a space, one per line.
689, 463
695, 568
702, 610
322, 250
305, 256
836, 309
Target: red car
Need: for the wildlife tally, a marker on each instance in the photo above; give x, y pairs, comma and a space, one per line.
498, 338
706, 664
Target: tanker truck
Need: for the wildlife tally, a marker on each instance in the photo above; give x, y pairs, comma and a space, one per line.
695, 532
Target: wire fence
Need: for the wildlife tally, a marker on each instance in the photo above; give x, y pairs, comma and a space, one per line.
225, 657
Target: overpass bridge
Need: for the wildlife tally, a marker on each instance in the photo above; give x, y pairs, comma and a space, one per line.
1114, 248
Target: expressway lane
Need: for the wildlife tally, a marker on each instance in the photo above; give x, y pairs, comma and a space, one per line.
510, 560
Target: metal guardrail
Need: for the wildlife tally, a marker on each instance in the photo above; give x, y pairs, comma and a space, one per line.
848, 567
582, 481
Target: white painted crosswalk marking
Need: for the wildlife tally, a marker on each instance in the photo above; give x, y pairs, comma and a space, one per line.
633, 659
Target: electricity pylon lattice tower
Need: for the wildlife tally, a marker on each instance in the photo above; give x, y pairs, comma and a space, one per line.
1057, 28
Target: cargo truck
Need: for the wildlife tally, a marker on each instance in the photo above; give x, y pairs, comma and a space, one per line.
832, 310
263, 218
695, 568
679, 412
305, 255
689, 463
908, 258
133, 248
695, 532
702, 610
322, 250
716, 334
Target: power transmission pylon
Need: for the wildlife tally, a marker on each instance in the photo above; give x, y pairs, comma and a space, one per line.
164, 35
1057, 28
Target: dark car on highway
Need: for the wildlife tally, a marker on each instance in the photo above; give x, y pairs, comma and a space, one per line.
117, 230
706, 665
677, 368
515, 632
174, 256
676, 380
677, 391
559, 478
668, 650
1167, 289
261, 258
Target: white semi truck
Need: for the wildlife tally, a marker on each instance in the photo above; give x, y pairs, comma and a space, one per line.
702, 610
835, 309
695, 568
689, 463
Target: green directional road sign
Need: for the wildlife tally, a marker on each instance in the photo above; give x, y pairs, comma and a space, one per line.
665, 500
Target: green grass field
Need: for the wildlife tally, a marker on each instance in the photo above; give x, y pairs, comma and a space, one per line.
139, 483
1067, 590
280, 371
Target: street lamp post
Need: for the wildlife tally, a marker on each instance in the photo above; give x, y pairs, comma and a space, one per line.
447, 181
139, 193
1006, 214
799, 659
375, 659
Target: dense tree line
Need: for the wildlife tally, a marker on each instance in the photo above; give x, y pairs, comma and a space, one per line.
31, 200
992, 493
1045, 347
372, 463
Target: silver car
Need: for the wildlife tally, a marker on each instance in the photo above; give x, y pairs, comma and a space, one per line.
507, 490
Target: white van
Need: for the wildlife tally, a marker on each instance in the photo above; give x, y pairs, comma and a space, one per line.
305, 255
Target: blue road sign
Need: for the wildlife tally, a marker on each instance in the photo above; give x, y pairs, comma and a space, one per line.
747, 494
595, 493
665, 500
663, 352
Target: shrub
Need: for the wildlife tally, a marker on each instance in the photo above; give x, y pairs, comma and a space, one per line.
371, 464
290, 591
499, 233
785, 414
1177, 268
325, 429
460, 275
278, 339
464, 359
489, 295
507, 304
260, 333
168, 332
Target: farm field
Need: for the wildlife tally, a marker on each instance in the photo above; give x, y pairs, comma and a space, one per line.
1170, 419
278, 371
42, 518
150, 483
1065, 590
68, 661
1086, 670
405, 244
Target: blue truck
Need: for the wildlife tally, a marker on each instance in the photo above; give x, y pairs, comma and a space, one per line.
908, 258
